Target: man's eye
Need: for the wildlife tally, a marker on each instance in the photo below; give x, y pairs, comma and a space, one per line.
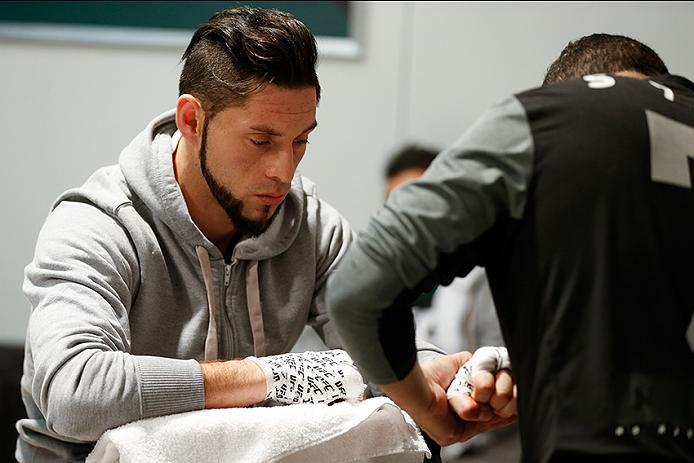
260, 142
301, 142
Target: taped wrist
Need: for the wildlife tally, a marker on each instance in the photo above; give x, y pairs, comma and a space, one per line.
488, 358
311, 377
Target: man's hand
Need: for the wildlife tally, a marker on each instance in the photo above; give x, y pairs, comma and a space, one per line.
311, 377
422, 394
485, 379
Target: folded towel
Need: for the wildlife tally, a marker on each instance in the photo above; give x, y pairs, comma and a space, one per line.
375, 430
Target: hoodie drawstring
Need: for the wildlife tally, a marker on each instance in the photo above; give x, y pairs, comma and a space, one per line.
255, 313
211, 340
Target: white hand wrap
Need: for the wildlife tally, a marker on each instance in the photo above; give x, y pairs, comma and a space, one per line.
491, 359
311, 377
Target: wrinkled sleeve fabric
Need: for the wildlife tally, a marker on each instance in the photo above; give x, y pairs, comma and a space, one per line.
426, 234
334, 236
81, 283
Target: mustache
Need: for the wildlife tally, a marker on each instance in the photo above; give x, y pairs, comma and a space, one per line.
274, 189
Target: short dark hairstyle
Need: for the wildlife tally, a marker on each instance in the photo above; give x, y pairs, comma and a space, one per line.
604, 53
239, 50
409, 156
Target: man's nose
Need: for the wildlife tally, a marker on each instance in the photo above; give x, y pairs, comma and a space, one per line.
282, 166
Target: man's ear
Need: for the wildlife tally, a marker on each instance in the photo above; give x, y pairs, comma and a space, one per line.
190, 118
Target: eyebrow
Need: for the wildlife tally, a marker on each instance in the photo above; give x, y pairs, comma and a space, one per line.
275, 133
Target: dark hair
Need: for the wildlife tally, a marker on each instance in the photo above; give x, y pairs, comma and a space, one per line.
604, 53
239, 50
409, 156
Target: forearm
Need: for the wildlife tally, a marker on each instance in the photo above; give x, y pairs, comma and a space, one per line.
233, 383
411, 393
83, 395
422, 393
429, 231
425, 401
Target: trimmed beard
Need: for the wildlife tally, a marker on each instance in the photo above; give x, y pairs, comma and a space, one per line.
232, 205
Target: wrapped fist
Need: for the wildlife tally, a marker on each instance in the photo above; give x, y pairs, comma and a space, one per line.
485, 359
311, 377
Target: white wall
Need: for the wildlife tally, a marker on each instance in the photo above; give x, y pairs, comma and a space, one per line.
466, 56
426, 71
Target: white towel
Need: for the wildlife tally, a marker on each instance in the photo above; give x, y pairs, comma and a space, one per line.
375, 430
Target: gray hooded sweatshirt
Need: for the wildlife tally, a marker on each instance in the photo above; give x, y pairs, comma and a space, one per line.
128, 295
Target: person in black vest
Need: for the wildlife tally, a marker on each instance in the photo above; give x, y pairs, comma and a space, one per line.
577, 199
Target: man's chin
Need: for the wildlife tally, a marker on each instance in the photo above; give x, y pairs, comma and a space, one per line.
257, 223
261, 214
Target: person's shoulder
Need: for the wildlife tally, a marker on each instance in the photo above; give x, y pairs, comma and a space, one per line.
600, 87
584, 101
675, 82
106, 189
563, 91
80, 218
80, 230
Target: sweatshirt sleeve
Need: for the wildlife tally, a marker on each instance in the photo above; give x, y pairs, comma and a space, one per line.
334, 236
80, 284
426, 234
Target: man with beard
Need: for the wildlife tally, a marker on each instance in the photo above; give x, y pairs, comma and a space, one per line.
200, 246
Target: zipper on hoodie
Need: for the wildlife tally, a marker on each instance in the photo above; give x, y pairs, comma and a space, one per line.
227, 275
230, 339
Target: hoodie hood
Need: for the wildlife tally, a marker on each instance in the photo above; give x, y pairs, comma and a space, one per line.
147, 165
